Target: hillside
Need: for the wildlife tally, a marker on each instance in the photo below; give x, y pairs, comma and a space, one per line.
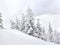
14, 37
53, 19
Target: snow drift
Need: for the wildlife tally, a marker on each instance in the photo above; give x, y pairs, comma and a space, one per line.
15, 37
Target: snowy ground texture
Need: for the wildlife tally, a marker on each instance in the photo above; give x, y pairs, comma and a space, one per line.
15, 37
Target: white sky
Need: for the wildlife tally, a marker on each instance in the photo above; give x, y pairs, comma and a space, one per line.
11, 8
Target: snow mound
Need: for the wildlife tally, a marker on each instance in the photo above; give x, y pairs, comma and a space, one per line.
15, 37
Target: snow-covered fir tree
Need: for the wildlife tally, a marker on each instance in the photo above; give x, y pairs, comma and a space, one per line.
1, 24
22, 24
56, 37
13, 24
38, 31
17, 24
50, 33
44, 36
28, 22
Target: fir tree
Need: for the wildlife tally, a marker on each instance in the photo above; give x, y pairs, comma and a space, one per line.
38, 31
50, 33
56, 37
17, 24
1, 24
22, 24
28, 22
13, 24
43, 36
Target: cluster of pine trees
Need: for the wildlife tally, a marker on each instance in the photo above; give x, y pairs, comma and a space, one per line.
27, 25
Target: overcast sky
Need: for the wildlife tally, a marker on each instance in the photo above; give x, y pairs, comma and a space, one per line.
11, 8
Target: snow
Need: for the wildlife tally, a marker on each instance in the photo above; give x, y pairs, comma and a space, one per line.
44, 20
15, 37
52, 18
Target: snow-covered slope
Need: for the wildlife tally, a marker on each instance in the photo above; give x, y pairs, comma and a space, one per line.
14, 37
53, 19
